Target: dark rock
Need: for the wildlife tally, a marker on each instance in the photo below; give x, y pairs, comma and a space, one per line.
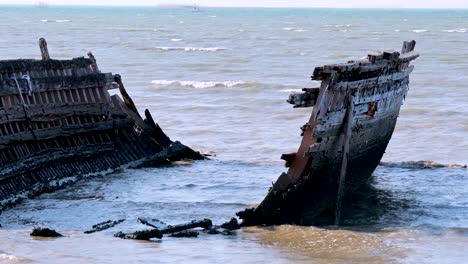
45, 232
231, 225
186, 233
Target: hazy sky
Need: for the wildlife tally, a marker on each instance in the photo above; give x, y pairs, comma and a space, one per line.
267, 3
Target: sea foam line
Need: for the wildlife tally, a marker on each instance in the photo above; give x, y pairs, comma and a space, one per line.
189, 48
456, 30
198, 84
418, 30
57, 20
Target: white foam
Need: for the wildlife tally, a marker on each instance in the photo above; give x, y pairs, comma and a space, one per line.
418, 30
288, 28
189, 48
7, 257
291, 90
456, 30
176, 39
300, 30
198, 84
57, 20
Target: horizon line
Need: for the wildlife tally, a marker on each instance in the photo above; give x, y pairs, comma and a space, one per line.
214, 6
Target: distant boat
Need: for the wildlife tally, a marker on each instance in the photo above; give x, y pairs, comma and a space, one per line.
196, 8
41, 4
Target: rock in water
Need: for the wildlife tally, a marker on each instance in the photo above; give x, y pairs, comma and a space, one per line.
231, 225
45, 232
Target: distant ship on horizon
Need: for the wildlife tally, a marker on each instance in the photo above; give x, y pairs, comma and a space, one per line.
41, 4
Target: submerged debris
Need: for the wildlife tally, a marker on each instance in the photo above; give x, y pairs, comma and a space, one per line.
231, 225
141, 235
155, 223
103, 226
45, 232
176, 151
205, 223
186, 233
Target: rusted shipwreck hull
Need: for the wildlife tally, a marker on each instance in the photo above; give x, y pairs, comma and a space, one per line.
355, 110
58, 123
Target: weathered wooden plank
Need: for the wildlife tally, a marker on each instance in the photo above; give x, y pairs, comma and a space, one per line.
51, 112
24, 65
63, 131
334, 129
10, 86
364, 66
408, 46
344, 161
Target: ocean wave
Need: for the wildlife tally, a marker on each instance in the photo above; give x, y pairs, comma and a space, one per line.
421, 164
189, 49
57, 20
176, 39
295, 29
456, 30
199, 84
10, 258
418, 30
291, 90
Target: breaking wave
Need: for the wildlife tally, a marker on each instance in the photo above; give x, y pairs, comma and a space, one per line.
456, 30
199, 84
189, 48
295, 29
291, 90
421, 164
10, 258
57, 20
418, 30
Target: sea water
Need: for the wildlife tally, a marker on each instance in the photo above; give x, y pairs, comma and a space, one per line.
218, 80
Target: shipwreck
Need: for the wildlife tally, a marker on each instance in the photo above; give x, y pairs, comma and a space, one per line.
58, 123
354, 113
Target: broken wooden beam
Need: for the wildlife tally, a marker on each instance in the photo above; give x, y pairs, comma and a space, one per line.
305, 99
344, 162
103, 226
205, 223
140, 235
44, 51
